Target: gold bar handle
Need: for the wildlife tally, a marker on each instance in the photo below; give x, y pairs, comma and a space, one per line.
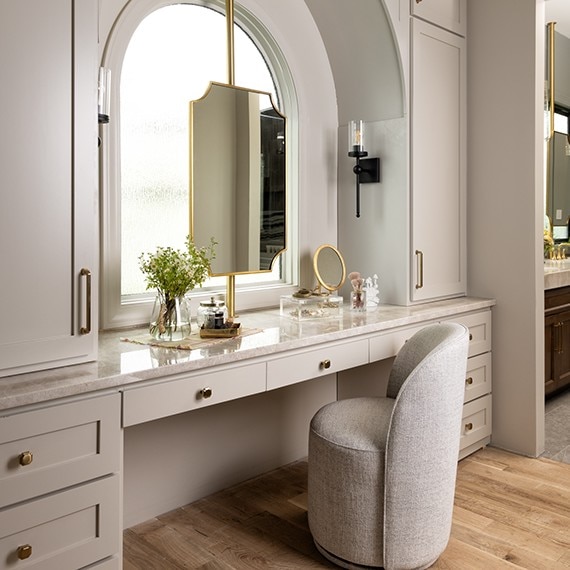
558, 340
420, 277
87, 274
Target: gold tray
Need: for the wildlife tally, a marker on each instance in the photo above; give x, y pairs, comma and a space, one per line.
228, 332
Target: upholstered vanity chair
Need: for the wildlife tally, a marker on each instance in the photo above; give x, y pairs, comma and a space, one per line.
382, 470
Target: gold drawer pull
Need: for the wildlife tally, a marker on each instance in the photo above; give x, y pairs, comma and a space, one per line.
206, 393
469, 426
325, 364
469, 381
26, 458
24, 551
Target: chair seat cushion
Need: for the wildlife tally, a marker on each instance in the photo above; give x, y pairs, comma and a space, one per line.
356, 423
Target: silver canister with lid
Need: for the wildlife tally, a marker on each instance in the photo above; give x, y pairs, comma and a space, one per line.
212, 314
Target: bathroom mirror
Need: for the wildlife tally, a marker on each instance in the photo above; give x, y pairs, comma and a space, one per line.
237, 178
329, 268
557, 108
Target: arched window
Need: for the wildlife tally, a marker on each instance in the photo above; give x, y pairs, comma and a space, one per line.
166, 57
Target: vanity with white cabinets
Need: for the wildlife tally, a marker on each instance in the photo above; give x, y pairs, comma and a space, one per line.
61, 430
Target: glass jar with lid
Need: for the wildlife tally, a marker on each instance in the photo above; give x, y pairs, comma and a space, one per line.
212, 314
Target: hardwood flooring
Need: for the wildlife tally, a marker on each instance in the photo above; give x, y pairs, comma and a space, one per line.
510, 512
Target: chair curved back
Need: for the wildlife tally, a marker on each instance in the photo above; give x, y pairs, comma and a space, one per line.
428, 383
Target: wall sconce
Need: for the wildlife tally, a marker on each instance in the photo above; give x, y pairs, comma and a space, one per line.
367, 170
104, 95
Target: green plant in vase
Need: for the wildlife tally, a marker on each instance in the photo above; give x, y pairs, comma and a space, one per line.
173, 273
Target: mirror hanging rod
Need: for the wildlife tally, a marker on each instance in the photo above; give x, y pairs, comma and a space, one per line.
230, 40
231, 280
551, 75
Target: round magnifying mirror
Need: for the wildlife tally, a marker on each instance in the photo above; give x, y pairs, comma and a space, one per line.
329, 268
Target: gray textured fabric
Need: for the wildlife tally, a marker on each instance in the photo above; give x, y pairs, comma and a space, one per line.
382, 470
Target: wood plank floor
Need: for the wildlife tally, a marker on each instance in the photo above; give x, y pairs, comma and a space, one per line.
510, 512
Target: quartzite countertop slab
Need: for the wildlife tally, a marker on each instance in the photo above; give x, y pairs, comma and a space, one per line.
122, 363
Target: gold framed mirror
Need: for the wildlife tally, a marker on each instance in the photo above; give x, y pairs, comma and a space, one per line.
237, 178
329, 268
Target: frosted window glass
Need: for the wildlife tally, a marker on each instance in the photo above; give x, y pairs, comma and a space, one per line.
172, 56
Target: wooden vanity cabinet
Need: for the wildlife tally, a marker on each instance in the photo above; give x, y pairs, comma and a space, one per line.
556, 339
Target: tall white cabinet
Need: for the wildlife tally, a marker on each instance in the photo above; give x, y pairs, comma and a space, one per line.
48, 180
437, 161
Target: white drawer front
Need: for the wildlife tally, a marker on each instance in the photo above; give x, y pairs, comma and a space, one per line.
478, 377
389, 344
176, 396
70, 529
312, 363
108, 564
476, 421
479, 325
67, 444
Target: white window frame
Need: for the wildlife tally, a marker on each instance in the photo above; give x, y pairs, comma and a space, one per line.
114, 312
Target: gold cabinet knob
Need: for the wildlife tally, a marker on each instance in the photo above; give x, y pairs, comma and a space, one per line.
206, 392
24, 551
26, 457
325, 364
469, 426
470, 336
469, 381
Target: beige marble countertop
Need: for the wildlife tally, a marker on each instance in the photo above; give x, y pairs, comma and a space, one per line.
123, 363
556, 274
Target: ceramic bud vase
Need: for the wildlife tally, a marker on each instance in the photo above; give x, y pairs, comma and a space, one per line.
358, 300
170, 319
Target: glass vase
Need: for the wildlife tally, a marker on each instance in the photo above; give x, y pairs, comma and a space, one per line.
170, 319
358, 300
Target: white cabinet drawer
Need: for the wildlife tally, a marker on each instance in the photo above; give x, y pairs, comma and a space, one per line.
108, 564
182, 394
51, 448
476, 421
478, 377
70, 529
389, 343
312, 363
479, 325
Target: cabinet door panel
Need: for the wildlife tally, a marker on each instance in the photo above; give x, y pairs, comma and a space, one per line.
438, 183
48, 174
449, 14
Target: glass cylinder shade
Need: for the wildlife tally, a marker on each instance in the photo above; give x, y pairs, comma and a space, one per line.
356, 136
104, 94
